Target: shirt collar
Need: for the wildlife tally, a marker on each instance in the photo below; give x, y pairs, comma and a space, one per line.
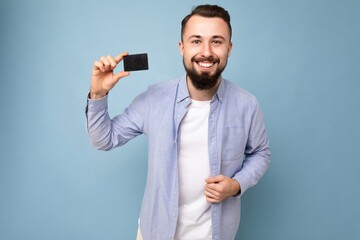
221, 90
183, 92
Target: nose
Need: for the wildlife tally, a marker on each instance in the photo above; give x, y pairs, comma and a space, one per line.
206, 50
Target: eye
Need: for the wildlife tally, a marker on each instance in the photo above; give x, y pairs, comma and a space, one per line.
217, 42
196, 41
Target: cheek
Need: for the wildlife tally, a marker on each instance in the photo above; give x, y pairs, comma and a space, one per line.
190, 51
223, 55
187, 56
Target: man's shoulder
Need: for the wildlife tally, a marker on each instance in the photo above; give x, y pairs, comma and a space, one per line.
238, 92
165, 85
156, 93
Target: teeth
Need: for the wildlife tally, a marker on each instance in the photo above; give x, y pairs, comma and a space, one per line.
205, 64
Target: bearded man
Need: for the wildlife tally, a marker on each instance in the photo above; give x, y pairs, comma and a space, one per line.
207, 142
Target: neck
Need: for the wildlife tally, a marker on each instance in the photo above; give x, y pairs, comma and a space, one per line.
202, 95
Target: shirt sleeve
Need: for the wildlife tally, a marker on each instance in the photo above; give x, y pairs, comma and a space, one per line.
106, 133
257, 152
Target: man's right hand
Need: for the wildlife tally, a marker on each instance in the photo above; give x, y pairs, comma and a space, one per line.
103, 78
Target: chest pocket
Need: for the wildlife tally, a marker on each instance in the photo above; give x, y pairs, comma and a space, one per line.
233, 146
234, 142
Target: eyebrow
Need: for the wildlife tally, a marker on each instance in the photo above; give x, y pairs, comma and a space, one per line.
218, 36
213, 37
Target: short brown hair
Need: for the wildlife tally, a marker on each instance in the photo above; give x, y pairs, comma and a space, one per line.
209, 11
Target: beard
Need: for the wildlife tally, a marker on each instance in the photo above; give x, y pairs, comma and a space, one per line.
204, 80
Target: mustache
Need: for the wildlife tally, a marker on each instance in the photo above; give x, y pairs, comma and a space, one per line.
205, 59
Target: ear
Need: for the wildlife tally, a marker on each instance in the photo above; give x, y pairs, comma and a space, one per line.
181, 48
229, 49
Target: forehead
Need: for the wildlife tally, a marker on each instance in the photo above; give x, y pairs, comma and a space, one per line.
206, 27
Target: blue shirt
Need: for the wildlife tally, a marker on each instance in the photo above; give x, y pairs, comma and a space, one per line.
238, 148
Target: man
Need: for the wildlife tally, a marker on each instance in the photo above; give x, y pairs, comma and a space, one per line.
206, 136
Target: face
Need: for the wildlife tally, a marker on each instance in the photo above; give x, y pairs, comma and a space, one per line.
205, 48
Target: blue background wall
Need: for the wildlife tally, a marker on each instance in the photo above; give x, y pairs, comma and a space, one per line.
300, 58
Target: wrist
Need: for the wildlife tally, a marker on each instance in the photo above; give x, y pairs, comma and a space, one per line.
236, 187
97, 95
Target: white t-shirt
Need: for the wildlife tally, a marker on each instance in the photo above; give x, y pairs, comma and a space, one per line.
194, 221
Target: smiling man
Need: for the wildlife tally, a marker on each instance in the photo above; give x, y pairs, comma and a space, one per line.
206, 136
205, 46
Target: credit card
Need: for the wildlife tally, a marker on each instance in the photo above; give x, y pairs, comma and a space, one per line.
136, 62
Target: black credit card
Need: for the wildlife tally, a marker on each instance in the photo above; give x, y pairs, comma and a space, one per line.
136, 62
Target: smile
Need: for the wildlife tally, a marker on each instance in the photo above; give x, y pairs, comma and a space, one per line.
205, 64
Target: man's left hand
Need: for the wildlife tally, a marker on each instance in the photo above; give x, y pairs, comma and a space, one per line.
219, 188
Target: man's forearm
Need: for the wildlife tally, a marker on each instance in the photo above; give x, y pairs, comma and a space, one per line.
99, 124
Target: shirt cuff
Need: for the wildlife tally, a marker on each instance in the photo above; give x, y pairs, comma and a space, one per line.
96, 105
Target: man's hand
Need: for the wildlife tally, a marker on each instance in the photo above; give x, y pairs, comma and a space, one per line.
103, 78
220, 187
